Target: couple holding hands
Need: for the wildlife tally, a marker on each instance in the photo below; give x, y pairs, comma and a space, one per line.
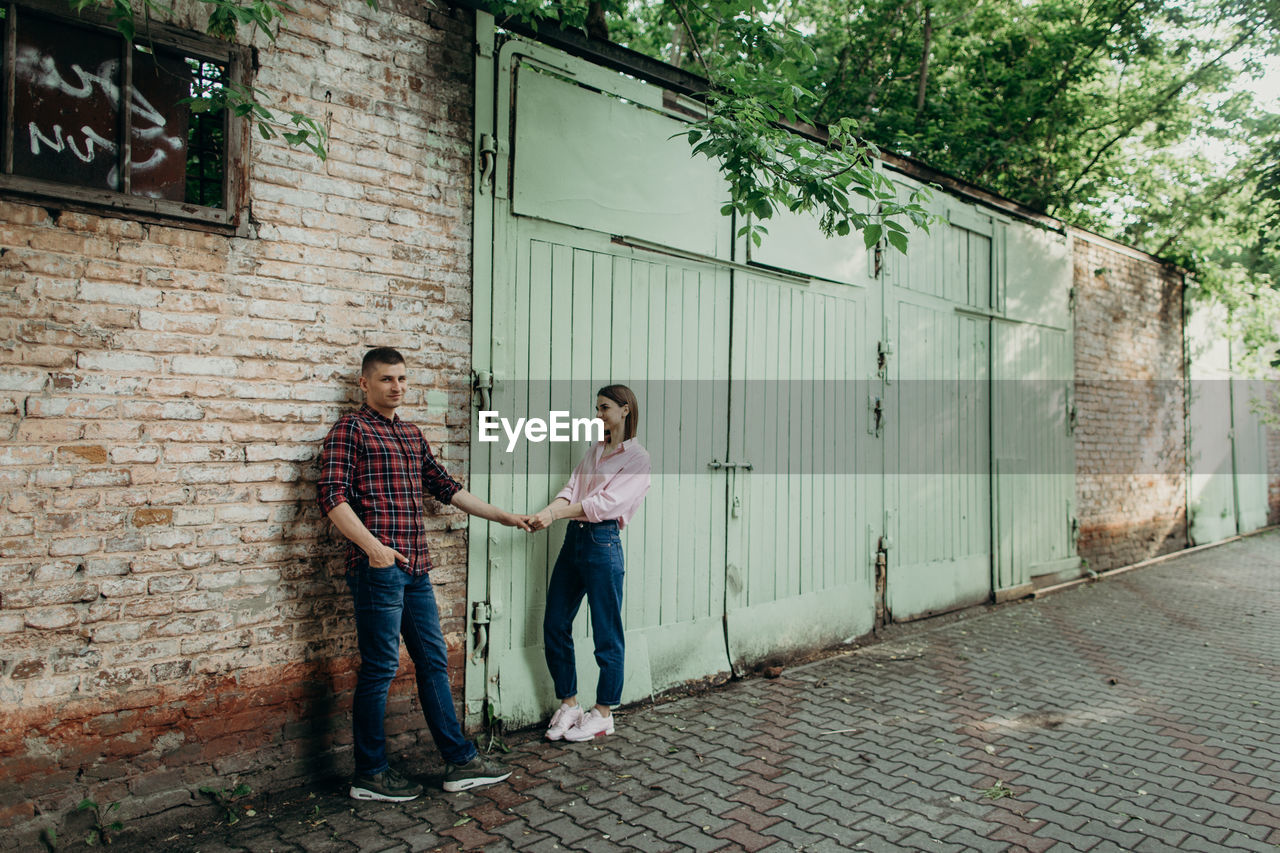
374, 470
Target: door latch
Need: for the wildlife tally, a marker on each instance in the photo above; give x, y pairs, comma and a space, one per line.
875, 416
482, 381
488, 153
481, 615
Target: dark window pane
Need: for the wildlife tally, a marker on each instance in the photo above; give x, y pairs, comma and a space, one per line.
66, 104
206, 149
160, 124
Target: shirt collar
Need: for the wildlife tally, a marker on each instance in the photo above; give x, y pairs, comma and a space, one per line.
370, 411
626, 445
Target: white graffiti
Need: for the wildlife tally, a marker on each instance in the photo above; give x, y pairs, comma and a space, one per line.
40, 72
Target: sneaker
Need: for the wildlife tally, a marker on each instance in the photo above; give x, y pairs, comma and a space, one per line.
564, 719
387, 786
474, 774
593, 725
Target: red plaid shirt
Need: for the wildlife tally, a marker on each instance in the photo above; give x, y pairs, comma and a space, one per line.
380, 467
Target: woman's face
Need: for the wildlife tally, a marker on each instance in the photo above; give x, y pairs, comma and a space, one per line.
613, 415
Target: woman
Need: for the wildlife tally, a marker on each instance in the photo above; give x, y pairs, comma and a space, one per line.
601, 497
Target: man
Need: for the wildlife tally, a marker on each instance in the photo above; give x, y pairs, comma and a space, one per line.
374, 469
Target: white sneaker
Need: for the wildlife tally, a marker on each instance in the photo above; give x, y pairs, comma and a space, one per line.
564, 719
593, 725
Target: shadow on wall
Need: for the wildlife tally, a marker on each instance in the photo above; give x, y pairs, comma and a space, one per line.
1109, 546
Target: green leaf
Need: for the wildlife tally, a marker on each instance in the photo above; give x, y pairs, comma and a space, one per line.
871, 235
898, 240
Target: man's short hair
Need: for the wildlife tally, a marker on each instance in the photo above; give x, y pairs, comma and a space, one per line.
380, 355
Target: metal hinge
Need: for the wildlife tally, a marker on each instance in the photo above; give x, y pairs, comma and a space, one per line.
481, 614
487, 154
884, 349
882, 582
879, 259
875, 415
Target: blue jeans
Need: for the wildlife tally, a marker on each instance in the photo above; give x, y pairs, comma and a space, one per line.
590, 563
390, 602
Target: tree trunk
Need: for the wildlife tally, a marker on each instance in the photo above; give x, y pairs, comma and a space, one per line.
677, 46
597, 26
924, 60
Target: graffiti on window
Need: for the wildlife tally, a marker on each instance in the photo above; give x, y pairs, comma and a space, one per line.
68, 120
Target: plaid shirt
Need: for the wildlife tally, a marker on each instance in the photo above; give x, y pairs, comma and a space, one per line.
380, 468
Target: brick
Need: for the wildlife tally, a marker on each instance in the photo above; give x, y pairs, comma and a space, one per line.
203, 366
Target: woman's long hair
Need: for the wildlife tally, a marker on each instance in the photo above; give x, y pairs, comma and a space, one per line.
624, 396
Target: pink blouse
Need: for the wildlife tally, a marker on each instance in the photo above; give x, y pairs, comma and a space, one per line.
612, 486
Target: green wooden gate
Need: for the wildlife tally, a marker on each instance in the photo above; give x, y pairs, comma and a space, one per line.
938, 462
751, 542
805, 402
1227, 458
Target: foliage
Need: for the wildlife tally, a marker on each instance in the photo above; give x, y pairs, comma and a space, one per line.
1126, 117
226, 799
225, 20
103, 829
998, 791
494, 728
755, 102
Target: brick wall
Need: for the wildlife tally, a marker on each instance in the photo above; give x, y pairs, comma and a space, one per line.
1130, 434
171, 604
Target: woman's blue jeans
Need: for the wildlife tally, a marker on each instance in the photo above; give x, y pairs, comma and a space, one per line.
390, 602
590, 564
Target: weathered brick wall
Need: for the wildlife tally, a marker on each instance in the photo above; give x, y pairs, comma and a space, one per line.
1130, 436
171, 603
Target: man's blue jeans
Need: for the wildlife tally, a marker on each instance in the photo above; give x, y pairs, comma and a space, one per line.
590, 563
390, 602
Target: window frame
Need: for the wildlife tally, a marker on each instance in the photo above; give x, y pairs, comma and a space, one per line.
236, 58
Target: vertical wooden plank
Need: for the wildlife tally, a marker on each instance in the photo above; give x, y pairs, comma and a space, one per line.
684, 354
701, 392
535, 356
631, 324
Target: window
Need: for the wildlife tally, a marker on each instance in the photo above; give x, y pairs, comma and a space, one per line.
67, 137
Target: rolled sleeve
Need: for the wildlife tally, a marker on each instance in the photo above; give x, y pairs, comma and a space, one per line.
435, 479
571, 488
337, 465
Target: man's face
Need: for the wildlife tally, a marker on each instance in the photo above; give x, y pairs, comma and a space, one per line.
384, 387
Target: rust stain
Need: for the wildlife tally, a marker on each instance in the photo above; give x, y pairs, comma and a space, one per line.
95, 453
160, 515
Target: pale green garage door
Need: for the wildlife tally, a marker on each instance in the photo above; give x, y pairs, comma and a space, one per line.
612, 263
804, 402
1227, 462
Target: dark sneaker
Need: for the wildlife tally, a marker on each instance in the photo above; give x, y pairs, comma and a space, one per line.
387, 786
474, 774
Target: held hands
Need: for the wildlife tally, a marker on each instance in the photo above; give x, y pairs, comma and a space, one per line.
524, 522
542, 520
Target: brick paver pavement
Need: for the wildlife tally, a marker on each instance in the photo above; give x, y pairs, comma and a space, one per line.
1139, 713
